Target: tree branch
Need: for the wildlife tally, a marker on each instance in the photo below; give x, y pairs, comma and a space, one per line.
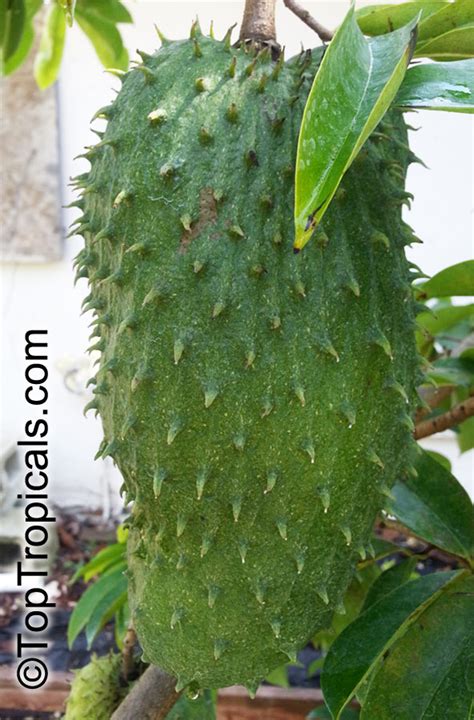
442, 422
151, 698
324, 34
258, 23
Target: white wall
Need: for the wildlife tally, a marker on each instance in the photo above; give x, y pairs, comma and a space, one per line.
43, 296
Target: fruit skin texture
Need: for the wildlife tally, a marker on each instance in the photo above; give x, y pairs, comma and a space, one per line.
96, 691
256, 401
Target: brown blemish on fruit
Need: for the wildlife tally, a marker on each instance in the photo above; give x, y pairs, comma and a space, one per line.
207, 216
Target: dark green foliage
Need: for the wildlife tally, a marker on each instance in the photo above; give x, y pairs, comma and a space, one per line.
255, 401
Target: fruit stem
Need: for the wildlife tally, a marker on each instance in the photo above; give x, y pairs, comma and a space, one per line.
258, 23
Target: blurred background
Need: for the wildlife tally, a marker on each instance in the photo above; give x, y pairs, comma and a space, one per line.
36, 271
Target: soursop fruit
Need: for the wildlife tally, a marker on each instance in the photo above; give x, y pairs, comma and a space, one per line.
256, 402
96, 690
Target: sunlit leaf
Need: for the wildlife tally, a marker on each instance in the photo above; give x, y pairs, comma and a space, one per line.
439, 86
435, 507
105, 38
466, 435
454, 280
453, 15
111, 10
354, 86
381, 19
49, 56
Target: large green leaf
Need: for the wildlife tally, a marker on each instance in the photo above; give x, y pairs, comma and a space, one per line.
363, 644
453, 15
381, 19
105, 38
104, 611
457, 44
112, 585
49, 56
439, 86
390, 580
435, 507
323, 713
354, 86
105, 558
466, 435
455, 280
429, 672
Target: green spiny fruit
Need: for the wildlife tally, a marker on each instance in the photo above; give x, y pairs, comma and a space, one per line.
96, 690
256, 402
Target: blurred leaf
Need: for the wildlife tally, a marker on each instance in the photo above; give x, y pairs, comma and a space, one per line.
466, 435
439, 86
48, 58
428, 671
105, 558
323, 713
354, 86
12, 25
69, 7
104, 611
435, 507
366, 641
455, 280
315, 666
381, 19
454, 45
111, 10
279, 677
105, 38
122, 533
26, 42
203, 708
441, 459
439, 320
383, 548
390, 580
87, 604
453, 15
452, 371
122, 621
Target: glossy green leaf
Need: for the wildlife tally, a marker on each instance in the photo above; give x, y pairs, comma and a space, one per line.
439, 86
466, 435
441, 459
381, 19
203, 708
354, 86
390, 580
429, 671
435, 507
105, 38
91, 598
49, 56
453, 15
452, 371
455, 280
456, 44
111, 10
12, 25
363, 644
